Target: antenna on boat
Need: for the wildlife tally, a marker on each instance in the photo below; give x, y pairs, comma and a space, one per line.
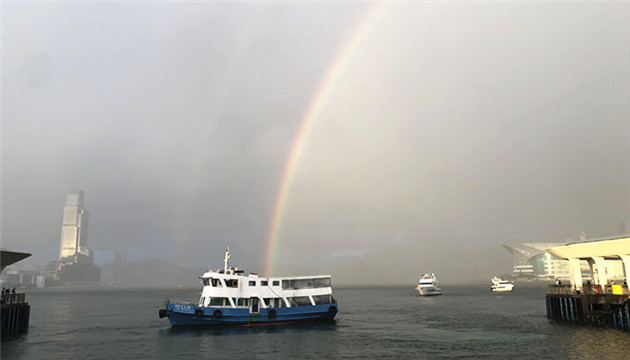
227, 257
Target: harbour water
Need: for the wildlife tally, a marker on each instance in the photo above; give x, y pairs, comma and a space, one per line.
467, 321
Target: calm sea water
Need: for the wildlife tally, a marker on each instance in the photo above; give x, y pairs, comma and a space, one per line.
374, 323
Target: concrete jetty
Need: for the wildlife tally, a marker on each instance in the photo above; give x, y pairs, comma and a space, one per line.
606, 301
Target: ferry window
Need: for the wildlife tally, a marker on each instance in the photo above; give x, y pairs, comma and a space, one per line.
206, 282
264, 283
299, 300
322, 299
297, 283
325, 282
242, 302
252, 283
218, 301
233, 283
276, 283
214, 282
273, 302
202, 300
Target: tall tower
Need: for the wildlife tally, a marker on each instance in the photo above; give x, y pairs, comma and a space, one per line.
74, 230
76, 263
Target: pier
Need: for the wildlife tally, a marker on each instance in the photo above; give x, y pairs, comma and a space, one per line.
15, 314
14, 310
604, 302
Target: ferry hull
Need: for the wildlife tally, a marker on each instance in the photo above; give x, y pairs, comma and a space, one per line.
191, 315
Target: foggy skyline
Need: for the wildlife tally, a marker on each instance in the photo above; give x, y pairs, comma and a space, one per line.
449, 126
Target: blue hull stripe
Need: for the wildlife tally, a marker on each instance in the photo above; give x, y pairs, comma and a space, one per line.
188, 315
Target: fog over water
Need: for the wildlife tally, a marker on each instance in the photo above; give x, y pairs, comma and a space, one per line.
448, 129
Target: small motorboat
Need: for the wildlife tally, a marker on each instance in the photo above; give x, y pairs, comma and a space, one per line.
428, 285
501, 285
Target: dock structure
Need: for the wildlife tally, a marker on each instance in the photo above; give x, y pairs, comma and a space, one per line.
15, 314
14, 310
602, 302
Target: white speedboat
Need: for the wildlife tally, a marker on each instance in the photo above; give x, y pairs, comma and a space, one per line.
428, 285
499, 284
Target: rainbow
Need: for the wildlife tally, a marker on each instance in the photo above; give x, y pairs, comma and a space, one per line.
314, 108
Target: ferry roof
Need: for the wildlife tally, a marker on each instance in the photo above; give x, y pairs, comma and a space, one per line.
215, 273
610, 248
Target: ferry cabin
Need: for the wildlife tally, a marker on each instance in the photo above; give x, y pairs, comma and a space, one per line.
231, 289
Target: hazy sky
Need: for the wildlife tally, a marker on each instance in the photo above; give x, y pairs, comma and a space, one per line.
447, 125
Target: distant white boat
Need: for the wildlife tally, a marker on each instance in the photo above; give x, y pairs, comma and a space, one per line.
501, 285
428, 285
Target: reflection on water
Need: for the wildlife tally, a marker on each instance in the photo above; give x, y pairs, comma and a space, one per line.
316, 338
588, 341
249, 330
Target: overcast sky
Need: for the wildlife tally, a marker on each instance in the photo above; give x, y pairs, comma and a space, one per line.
449, 126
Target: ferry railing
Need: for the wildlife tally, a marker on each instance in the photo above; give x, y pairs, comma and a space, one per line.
13, 298
167, 301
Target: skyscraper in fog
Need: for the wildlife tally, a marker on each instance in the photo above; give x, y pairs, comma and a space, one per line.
76, 263
74, 229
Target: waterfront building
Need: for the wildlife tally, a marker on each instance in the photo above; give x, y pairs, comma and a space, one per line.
74, 229
532, 261
76, 262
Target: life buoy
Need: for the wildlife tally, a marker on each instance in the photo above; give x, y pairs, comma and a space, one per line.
217, 313
271, 313
198, 313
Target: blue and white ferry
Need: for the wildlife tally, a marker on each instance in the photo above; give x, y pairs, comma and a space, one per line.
231, 297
